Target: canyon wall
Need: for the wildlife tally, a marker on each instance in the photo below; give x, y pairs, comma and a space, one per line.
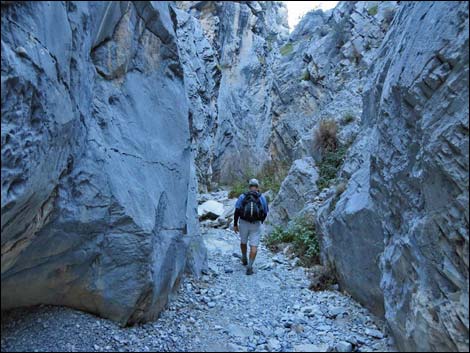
98, 182
114, 115
393, 224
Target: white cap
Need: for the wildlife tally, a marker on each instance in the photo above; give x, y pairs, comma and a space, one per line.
253, 182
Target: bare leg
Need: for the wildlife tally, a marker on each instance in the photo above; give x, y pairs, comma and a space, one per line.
243, 248
253, 251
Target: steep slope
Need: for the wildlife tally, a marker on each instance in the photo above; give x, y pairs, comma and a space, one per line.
98, 182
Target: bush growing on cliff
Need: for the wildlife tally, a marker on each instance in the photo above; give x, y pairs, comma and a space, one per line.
270, 177
305, 76
373, 10
348, 118
301, 234
329, 166
326, 135
238, 188
286, 49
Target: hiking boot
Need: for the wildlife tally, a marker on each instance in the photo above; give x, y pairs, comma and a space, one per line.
249, 270
244, 261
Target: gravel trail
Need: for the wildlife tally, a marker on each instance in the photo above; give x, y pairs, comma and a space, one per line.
225, 310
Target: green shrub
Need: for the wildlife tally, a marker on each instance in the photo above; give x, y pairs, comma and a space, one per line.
238, 188
348, 118
372, 11
305, 76
270, 178
286, 49
301, 234
329, 166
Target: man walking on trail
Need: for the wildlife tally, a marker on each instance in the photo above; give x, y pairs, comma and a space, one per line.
251, 208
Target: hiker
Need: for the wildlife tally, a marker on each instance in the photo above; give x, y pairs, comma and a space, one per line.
252, 209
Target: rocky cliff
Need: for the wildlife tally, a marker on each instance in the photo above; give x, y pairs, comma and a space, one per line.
418, 101
98, 182
236, 56
393, 224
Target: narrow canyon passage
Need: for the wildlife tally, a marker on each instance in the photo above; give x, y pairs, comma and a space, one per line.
129, 129
224, 310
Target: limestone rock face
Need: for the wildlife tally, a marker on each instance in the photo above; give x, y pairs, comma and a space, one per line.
321, 74
202, 78
246, 37
401, 225
296, 189
395, 79
418, 100
98, 184
351, 230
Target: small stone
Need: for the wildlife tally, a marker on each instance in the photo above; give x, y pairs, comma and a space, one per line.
273, 344
21, 51
337, 311
344, 346
374, 333
211, 304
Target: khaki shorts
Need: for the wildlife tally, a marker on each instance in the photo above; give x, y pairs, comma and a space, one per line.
250, 232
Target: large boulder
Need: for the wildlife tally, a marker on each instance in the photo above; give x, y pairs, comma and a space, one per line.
350, 229
98, 182
297, 189
210, 209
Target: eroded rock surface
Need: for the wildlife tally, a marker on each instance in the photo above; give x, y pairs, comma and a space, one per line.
98, 186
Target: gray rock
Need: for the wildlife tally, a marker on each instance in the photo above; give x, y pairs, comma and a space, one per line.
337, 311
87, 217
239, 331
349, 223
420, 174
273, 344
295, 191
344, 347
210, 209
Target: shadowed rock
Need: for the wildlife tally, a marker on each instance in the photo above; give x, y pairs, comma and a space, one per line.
98, 186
